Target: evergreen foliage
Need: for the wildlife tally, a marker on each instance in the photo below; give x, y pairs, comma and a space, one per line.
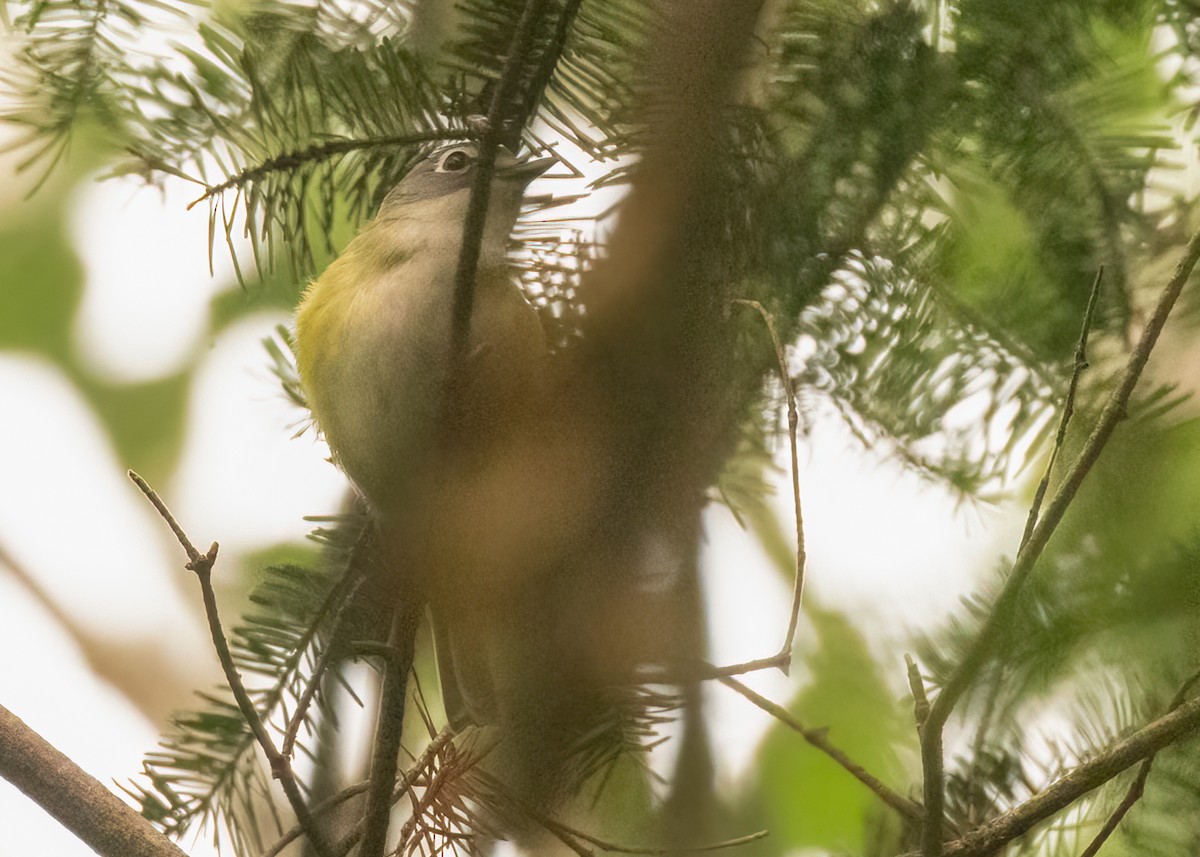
924, 194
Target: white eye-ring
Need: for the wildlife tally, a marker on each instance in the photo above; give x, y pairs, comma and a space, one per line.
454, 161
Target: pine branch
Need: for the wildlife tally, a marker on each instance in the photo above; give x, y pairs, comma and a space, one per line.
1138, 786
292, 161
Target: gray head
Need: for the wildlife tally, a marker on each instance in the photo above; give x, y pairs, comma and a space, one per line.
452, 168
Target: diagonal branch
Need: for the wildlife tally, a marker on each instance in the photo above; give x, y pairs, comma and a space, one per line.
989, 838
909, 809
1138, 786
78, 801
1115, 410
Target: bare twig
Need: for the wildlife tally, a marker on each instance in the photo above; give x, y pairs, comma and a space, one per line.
910, 809
201, 565
1115, 410
317, 811
785, 378
1138, 786
780, 660
324, 151
1081, 363
76, 800
917, 685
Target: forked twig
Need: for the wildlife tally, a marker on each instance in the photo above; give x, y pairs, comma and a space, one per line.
411, 778
202, 565
991, 836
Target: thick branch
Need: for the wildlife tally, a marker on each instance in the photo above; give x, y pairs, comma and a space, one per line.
76, 800
1138, 786
1150, 739
1115, 410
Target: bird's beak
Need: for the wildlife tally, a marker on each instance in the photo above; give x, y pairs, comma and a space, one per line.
524, 170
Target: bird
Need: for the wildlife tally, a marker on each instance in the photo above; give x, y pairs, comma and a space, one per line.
375, 353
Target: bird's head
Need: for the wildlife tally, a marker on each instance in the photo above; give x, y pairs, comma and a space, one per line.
450, 171
430, 204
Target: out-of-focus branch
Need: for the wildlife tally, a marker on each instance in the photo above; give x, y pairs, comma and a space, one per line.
489, 141
76, 800
1115, 410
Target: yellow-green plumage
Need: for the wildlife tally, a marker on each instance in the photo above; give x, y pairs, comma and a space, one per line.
373, 342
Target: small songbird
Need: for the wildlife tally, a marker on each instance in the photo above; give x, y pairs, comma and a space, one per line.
374, 352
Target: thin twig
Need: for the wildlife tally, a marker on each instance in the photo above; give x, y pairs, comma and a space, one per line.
571, 836
481, 185
920, 699
1115, 410
910, 809
331, 802
785, 378
781, 660
1081, 363
202, 565
1138, 786
314, 682
313, 154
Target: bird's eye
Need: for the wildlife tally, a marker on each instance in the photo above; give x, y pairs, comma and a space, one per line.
455, 161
